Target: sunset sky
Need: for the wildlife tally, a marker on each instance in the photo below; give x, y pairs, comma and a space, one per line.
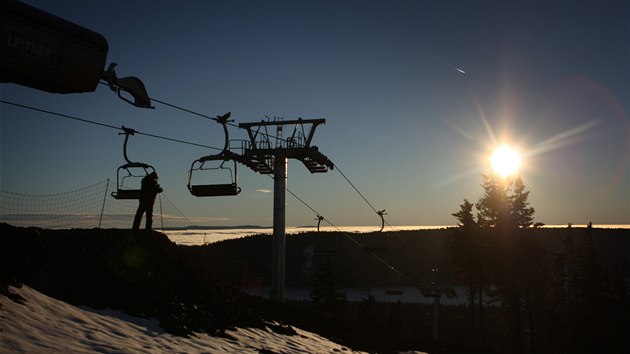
416, 95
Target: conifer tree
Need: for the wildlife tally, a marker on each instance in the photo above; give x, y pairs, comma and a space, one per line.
590, 289
324, 291
518, 206
567, 288
468, 257
506, 220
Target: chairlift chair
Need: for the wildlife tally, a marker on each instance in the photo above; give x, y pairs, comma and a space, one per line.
129, 176
218, 165
128, 180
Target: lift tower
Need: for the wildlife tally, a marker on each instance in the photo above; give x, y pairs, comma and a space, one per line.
268, 153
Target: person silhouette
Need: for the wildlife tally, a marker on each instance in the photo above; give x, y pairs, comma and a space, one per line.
148, 191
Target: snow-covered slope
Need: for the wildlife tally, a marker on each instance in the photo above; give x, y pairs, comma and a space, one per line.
41, 324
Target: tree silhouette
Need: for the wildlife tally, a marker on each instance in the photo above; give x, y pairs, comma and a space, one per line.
324, 288
469, 262
590, 286
508, 251
590, 307
563, 291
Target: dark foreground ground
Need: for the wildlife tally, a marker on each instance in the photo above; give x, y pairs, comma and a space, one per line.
145, 274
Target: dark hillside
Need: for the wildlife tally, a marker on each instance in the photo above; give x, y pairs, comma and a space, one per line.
414, 253
139, 273
613, 245
193, 288
144, 274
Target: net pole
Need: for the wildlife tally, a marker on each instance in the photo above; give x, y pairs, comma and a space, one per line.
100, 220
161, 215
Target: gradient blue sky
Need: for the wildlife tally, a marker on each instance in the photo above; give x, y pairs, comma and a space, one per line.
411, 131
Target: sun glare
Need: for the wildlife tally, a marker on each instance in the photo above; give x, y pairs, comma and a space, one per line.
505, 161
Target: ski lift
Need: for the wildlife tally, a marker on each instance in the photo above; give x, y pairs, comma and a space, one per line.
129, 175
220, 164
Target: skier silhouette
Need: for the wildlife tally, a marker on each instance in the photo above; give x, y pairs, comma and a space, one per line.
148, 191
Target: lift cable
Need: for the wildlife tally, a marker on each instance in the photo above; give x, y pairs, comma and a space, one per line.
196, 113
182, 109
380, 213
105, 125
174, 106
171, 105
355, 188
357, 243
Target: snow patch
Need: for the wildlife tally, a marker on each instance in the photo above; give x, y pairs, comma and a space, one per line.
41, 324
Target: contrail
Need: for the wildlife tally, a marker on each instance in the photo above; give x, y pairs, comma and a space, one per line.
456, 68
452, 66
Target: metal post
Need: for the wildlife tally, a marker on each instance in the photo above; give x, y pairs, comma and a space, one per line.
100, 220
161, 214
436, 315
279, 223
436, 303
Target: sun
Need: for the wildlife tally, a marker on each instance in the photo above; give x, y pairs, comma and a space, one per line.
505, 161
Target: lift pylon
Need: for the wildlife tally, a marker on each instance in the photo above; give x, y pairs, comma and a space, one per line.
264, 146
266, 154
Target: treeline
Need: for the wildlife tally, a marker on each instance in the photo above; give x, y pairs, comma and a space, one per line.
415, 253
572, 309
530, 289
560, 300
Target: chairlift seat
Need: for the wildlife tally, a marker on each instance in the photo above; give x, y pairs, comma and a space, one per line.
131, 171
214, 190
223, 158
126, 194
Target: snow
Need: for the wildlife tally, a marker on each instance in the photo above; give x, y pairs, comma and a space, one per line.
42, 325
